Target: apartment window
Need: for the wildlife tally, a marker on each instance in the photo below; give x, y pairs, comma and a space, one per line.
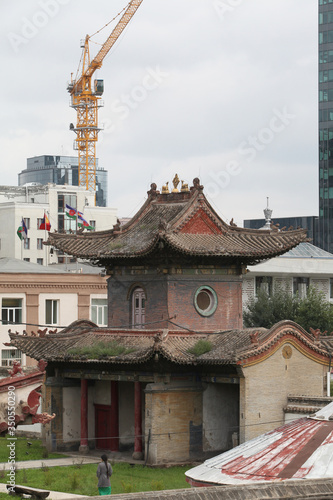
92, 224
26, 243
325, 56
301, 286
8, 356
325, 17
26, 259
264, 283
27, 222
11, 311
325, 115
331, 288
326, 95
326, 37
51, 311
39, 221
39, 243
64, 222
326, 75
40, 262
99, 311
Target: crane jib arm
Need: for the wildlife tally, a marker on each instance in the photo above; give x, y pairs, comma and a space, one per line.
117, 31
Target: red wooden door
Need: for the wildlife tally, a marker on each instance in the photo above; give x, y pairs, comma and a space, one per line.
103, 427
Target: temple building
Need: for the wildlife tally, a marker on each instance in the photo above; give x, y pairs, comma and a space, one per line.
174, 376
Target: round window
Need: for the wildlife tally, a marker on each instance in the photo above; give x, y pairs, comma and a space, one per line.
205, 301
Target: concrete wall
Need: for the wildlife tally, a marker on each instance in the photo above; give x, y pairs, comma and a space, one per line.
126, 414
220, 416
102, 392
71, 413
264, 390
68, 307
174, 421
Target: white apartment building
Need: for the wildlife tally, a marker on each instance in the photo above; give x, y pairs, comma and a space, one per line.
34, 298
30, 202
295, 271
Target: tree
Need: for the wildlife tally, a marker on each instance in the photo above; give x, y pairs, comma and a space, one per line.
312, 311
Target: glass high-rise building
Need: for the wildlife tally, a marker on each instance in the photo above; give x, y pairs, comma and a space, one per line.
62, 170
325, 230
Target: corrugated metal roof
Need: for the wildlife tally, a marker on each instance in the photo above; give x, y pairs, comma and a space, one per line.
300, 490
302, 449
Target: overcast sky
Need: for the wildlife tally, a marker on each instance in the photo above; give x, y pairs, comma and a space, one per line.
223, 90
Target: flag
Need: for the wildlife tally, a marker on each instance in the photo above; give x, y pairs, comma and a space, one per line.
71, 212
22, 231
83, 223
45, 224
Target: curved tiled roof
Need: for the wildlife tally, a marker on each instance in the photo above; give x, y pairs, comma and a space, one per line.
230, 347
184, 222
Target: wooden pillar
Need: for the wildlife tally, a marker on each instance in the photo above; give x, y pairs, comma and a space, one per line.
84, 448
137, 455
114, 426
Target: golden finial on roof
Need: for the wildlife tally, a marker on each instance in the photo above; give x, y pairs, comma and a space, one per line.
184, 188
165, 189
175, 183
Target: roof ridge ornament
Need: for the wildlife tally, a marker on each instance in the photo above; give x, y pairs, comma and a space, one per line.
196, 185
184, 188
175, 182
153, 190
165, 188
254, 338
268, 216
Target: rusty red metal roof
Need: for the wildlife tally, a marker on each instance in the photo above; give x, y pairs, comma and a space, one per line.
302, 449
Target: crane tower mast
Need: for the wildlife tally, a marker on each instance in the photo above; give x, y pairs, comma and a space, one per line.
85, 99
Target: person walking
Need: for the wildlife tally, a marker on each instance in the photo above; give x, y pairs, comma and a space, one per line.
104, 472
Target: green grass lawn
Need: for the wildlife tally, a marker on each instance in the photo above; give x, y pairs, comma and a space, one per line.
24, 451
82, 480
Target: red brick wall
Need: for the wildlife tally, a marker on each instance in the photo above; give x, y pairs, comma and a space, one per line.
201, 224
228, 314
171, 293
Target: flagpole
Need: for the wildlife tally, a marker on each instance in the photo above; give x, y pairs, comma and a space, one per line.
22, 240
45, 237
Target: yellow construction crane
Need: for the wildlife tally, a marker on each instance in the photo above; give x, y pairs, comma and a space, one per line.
86, 100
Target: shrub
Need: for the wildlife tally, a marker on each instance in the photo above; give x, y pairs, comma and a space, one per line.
312, 311
100, 350
201, 347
